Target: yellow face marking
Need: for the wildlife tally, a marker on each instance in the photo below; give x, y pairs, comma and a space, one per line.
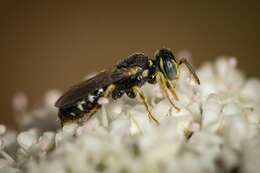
145, 73
162, 67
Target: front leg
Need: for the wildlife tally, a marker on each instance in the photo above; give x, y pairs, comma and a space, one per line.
188, 65
171, 88
161, 79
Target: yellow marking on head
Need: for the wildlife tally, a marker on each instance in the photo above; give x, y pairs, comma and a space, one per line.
162, 66
145, 73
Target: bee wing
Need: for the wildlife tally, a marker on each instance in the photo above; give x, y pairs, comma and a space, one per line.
83, 89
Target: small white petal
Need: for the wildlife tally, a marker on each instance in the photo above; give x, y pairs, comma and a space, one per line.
231, 109
251, 90
211, 110
51, 97
27, 139
46, 141
69, 129
2, 129
103, 101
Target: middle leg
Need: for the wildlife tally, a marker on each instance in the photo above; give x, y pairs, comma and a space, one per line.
139, 92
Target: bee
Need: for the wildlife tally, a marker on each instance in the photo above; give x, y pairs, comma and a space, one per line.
127, 77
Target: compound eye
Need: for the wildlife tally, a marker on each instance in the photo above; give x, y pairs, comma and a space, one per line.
170, 69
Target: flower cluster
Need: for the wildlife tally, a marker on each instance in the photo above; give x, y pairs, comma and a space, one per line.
217, 130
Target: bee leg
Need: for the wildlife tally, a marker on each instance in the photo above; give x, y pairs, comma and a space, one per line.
92, 112
188, 65
160, 78
61, 118
171, 88
130, 93
139, 92
109, 90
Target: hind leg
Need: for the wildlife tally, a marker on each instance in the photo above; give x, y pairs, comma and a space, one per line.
106, 94
92, 112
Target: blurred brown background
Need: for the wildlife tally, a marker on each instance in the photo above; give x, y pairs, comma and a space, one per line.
50, 44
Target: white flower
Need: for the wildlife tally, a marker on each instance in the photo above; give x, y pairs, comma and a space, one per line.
216, 130
27, 139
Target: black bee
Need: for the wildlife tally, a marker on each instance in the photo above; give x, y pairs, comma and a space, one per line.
127, 77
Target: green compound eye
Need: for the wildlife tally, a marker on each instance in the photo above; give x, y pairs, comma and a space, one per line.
169, 68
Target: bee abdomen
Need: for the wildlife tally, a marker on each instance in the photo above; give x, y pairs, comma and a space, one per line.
82, 107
